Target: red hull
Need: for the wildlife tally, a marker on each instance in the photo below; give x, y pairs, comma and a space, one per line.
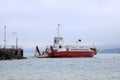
69, 54
72, 54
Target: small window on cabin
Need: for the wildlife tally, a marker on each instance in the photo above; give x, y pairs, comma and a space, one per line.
67, 49
60, 46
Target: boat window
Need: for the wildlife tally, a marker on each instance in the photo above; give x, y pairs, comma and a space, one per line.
67, 49
60, 46
56, 41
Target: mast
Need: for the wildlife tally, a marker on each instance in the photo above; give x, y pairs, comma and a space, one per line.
58, 30
16, 43
58, 40
5, 36
16, 40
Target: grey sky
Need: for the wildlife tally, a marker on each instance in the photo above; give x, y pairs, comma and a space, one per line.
35, 21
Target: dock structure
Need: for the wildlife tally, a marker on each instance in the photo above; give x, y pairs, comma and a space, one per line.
11, 53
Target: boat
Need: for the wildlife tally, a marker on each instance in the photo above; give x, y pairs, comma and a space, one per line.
58, 50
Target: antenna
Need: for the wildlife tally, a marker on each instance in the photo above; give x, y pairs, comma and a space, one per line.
58, 30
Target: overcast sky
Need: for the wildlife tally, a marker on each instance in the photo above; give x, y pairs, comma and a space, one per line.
35, 21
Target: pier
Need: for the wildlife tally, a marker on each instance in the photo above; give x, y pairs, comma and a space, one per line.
11, 53
8, 53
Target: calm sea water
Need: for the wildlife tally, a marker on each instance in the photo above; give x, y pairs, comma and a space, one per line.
100, 67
